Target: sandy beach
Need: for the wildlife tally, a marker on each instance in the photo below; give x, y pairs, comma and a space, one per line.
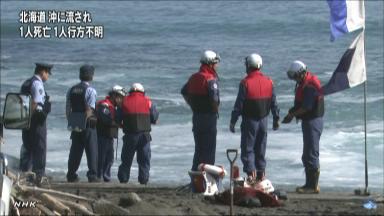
158, 200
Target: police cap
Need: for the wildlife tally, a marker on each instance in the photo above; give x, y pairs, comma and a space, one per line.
43, 66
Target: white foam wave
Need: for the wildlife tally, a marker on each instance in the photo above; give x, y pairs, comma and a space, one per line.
4, 57
173, 147
353, 99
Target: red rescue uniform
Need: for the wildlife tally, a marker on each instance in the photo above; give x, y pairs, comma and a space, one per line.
136, 113
317, 110
107, 130
198, 90
258, 96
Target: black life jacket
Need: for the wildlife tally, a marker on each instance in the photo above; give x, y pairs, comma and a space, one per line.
27, 85
77, 97
136, 113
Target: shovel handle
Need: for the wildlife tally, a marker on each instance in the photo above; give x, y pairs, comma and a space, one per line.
229, 151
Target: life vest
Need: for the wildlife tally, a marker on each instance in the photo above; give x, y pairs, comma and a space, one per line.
102, 128
136, 113
198, 90
317, 110
258, 96
77, 97
26, 89
27, 85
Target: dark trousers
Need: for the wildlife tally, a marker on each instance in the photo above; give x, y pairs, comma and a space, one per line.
105, 157
312, 130
34, 149
204, 133
140, 143
87, 139
253, 144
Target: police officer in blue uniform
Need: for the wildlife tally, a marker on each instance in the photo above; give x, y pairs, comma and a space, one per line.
34, 148
201, 92
309, 108
255, 99
138, 114
80, 106
108, 113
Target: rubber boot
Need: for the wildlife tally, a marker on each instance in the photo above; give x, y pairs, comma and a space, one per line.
251, 179
312, 182
306, 185
315, 186
260, 176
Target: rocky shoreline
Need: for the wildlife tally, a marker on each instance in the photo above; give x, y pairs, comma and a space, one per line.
131, 199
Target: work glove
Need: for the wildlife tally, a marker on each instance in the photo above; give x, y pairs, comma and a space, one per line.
276, 124
287, 119
232, 128
40, 115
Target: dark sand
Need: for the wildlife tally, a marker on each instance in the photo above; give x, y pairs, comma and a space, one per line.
171, 201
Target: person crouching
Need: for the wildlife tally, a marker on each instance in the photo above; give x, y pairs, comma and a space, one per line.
107, 112
138, 114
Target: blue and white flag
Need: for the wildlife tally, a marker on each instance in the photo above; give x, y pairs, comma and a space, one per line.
346, 16
351, 70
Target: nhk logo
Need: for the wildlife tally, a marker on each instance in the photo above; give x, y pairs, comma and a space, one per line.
25, 204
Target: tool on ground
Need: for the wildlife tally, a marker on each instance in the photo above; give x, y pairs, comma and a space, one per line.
117, 146
232, 160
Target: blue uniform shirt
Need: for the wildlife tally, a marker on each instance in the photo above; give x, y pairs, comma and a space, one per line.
238, 108
38, 92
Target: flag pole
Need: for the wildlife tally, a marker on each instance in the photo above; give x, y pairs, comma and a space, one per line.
365, 137
365, 127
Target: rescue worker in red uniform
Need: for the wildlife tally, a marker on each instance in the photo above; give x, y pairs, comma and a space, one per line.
255, 99
309, 108
138, 113
108, 113
201, 92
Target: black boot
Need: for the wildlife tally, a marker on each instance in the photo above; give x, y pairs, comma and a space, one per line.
306, 185
311, 183
260, 176
315, 186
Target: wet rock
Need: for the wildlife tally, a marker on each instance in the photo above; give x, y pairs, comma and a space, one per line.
129, 199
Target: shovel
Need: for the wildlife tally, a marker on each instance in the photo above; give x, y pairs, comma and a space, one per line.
232, 162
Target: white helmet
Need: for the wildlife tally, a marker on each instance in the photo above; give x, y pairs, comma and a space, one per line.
137, 87
265, 186
253, 61
119, 90
210, 57
296, 68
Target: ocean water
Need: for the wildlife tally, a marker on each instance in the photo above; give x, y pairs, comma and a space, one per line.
158, 43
